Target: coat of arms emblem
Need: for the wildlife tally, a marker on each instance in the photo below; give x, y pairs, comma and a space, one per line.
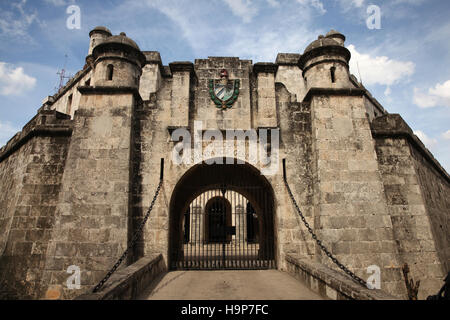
224, 92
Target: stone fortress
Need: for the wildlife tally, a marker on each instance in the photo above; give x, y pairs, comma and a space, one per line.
77, 180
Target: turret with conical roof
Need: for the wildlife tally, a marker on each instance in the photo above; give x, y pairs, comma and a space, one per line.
117, 61
325, 62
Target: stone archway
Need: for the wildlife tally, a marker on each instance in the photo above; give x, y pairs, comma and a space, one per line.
238, 185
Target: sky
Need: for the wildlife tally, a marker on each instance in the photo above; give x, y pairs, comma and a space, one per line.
404, 61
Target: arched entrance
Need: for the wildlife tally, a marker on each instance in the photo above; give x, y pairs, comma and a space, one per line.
222, 217
218, 219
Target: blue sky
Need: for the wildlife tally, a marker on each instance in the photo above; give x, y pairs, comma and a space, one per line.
405, 64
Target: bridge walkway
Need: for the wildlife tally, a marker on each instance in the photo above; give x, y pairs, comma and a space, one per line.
228, 285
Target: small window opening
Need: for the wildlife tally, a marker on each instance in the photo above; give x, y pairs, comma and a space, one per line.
88, 82
109, 72
69, 104
333, 74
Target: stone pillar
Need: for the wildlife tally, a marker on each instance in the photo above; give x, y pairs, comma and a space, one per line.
290, 75
267, 111
182, 73
150, 81
351, 215
91, 223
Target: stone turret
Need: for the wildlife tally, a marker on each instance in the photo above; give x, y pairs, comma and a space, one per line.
97, 36
118, 62
325, 62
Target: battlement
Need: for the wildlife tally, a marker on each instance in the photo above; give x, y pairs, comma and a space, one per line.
45, 123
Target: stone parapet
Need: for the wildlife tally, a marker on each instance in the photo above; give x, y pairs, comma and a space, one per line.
329, 283
265, 67
182, 66
45, 123
287, 59
393, 125
129, 283
333, 92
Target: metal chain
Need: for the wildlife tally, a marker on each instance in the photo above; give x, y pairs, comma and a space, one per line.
132, 242
324, 249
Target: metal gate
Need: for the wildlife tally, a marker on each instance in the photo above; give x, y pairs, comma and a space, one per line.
222, 229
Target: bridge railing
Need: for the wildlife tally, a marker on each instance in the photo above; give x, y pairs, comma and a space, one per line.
129, 283
329, 283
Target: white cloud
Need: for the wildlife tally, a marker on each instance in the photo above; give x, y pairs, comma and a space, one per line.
7, 131
284, 30
351, 3
273, 3
427, 141
317, 4
59, 3
14, 81
265, 46
14, 23
446, 135
379, 70
412, 2
243, 8
437, 96
388, 91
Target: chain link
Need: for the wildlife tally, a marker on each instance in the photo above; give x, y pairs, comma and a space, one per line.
136, 236
319, 243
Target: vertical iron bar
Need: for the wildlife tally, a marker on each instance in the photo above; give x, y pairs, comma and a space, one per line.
211, 231
235, 257
196, 235
224, 232
239, 231
246, 238
202, 236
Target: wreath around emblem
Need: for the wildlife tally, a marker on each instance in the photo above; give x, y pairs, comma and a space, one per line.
230, 101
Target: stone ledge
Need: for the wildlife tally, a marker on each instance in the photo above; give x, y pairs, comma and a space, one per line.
393, 126
333, 50
129, 283
329, 283
265, 67
110, 90
181, 66
45, 123
288, 59
333, 92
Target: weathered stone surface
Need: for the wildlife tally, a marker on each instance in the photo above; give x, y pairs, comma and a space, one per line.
76, 183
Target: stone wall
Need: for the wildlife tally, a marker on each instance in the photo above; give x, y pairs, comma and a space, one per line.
351, 217
416, 198
240, 115
91, 223
296, 144
435, 187
31, 167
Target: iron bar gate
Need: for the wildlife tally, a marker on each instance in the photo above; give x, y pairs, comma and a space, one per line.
222, 229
